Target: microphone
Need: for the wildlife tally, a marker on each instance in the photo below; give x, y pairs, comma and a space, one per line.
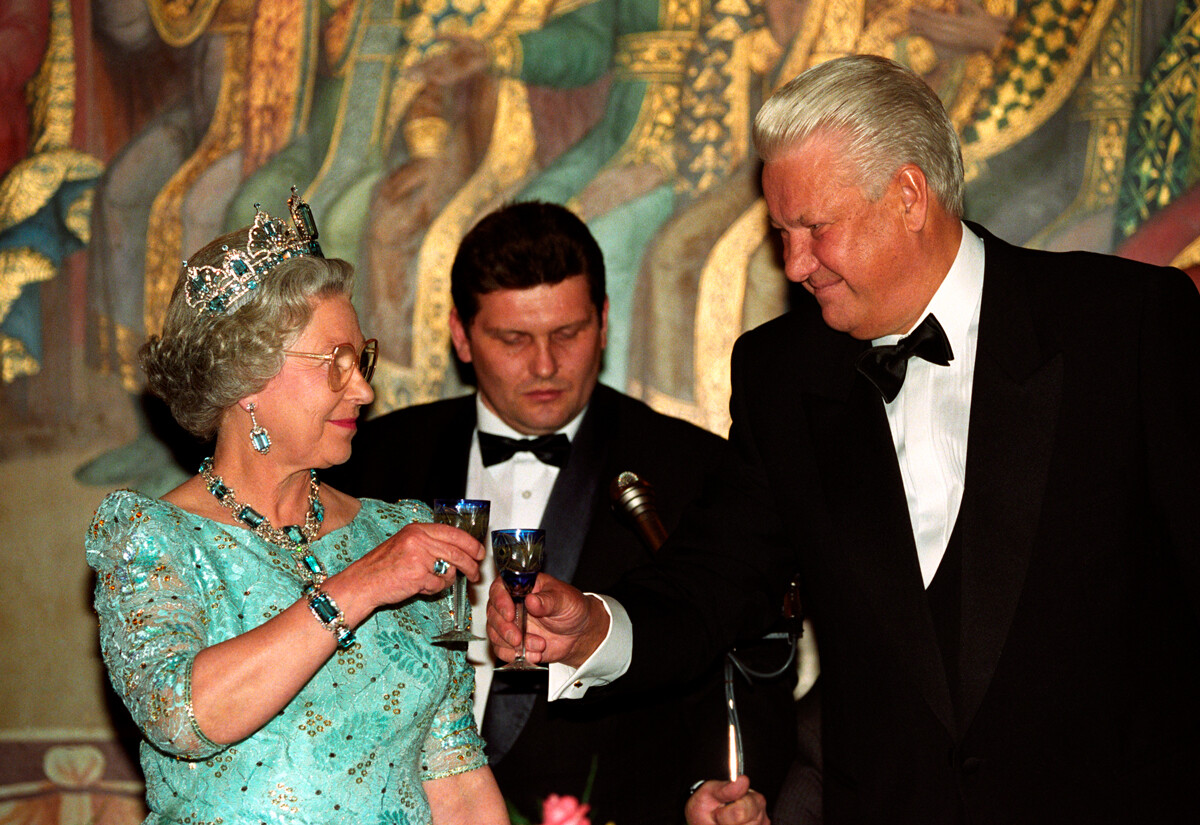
634, 498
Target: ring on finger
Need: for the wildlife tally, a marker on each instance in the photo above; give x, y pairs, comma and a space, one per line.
441, 567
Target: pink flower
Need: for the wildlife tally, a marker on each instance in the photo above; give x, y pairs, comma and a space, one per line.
564, 810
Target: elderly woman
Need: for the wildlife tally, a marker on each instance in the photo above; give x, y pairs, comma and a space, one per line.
283, 673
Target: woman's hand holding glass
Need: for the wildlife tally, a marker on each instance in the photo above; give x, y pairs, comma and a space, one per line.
238, 685
406, 565
471, 515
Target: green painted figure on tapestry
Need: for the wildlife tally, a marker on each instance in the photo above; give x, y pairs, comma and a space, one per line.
45, 183
350, 132
337, 152
664, 124
1046, 145
1163, 159
616, 176
1016, 78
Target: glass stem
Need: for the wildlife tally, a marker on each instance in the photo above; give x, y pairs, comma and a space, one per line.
461, 607
520, 605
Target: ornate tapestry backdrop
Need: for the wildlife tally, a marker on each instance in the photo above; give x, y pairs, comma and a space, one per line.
135, 130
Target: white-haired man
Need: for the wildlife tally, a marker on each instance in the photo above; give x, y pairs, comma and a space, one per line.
999, 537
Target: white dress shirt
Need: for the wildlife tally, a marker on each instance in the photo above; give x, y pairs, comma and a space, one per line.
518, 490
929, 416
929, 421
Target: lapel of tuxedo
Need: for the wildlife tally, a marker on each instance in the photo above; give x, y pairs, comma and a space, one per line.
447, 474
871, 538
569, 510
1014, 406
566, 520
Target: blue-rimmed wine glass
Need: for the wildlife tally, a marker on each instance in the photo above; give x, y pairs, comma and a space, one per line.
470, 515
518, 556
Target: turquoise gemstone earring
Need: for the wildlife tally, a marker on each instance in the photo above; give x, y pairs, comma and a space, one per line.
259, 439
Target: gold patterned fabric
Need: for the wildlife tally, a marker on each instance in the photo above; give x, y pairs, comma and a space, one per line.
45, 199
164, 236
1164, 154
651, 55
651, 139
282, 52
179, 22
712, 136
1048, 47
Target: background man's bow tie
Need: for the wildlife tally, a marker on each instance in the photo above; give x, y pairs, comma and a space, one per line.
886, 365
548, 449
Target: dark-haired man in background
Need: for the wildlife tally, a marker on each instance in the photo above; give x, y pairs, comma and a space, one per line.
529, 317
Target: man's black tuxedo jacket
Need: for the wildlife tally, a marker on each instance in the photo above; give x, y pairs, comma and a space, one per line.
1080, 529
647, 749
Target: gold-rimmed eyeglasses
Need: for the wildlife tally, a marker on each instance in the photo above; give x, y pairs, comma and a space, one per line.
343, 360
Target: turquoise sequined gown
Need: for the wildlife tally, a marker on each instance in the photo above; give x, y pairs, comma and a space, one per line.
353, 746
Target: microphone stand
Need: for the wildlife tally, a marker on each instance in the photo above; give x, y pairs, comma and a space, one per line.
633, 497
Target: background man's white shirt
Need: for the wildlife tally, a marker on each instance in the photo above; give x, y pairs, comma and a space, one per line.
518, 490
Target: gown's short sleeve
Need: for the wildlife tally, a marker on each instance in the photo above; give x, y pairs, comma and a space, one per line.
152, 617
453, 744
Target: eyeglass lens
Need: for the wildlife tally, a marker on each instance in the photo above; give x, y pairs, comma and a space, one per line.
366, 359
345, 360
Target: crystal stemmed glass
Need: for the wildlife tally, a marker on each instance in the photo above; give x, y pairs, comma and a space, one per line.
470, 515
518, 561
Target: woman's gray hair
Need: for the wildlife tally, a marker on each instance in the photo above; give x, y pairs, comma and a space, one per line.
886, 115
203, 363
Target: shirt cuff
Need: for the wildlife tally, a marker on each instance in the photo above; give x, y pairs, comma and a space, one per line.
608, 661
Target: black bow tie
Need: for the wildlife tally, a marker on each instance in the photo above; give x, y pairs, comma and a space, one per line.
548, 449
885, 365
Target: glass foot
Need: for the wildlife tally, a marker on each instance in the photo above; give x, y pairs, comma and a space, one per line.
522, 664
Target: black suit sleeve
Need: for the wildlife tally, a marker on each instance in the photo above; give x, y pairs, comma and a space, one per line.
1169, 396
721, 576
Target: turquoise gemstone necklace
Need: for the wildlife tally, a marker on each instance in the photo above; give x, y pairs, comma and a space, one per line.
294, 538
